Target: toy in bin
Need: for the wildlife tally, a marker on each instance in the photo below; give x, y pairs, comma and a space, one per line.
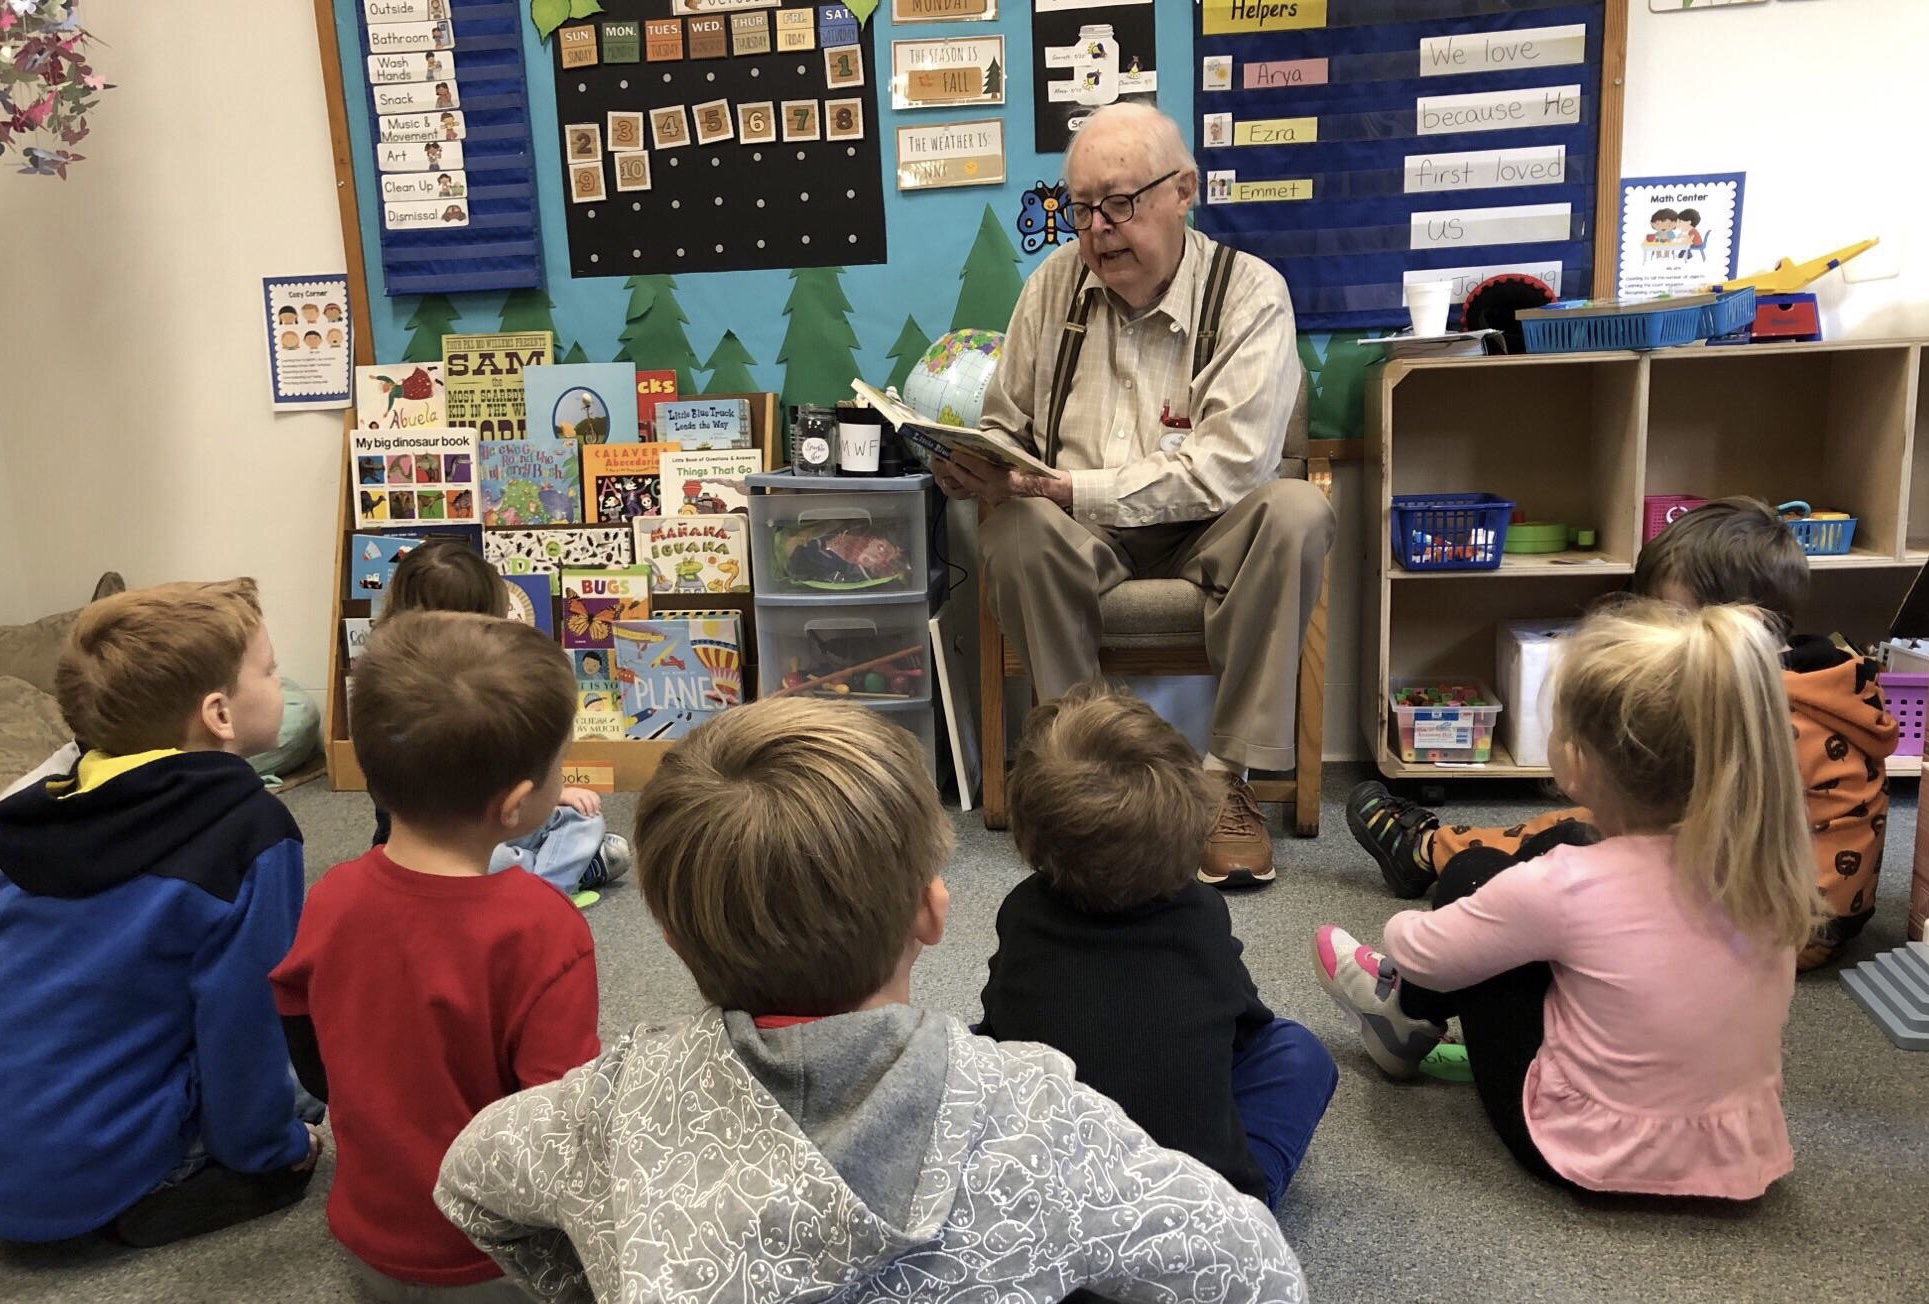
1821, 534
841, 555
857, 665
1449, 531
1445, 723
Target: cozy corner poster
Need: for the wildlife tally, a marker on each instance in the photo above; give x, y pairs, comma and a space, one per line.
309, 342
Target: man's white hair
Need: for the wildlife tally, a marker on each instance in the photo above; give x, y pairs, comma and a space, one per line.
1154, 133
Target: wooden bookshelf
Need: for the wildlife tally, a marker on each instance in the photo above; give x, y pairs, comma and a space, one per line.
601, 765
1582, 438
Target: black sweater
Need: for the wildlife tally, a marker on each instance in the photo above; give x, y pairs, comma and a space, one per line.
1150, 1004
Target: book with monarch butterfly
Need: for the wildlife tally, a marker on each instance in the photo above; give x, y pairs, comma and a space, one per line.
594, 600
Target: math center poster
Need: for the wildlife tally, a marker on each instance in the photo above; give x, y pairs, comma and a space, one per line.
1087, 54
1678, 234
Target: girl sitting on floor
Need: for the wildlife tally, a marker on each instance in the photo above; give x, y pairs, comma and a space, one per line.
1622, 1003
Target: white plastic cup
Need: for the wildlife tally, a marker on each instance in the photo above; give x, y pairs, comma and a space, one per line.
1427, 303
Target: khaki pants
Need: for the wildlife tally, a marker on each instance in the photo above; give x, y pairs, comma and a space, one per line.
1260, 564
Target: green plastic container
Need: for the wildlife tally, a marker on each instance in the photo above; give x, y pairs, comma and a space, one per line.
1535, 536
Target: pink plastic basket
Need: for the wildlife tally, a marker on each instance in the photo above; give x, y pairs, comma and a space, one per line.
1908, 700
1662, 510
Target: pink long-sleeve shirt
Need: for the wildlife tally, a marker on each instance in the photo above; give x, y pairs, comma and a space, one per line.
1661, 1069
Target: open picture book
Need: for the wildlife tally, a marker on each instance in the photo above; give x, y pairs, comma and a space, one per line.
940, 440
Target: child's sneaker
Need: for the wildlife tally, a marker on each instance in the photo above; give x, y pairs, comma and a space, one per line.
1395, 832
1364, 984
608, 865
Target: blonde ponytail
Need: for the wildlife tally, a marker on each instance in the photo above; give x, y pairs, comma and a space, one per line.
1686, 713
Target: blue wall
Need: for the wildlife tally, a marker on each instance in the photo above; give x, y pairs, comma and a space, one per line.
928, 233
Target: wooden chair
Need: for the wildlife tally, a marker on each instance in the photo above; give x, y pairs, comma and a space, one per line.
1157, 627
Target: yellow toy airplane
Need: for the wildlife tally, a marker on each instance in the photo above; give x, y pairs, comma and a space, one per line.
1788, 276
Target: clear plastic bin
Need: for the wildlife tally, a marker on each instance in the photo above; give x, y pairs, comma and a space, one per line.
922, 721
838, 547
1432, 735
875, 653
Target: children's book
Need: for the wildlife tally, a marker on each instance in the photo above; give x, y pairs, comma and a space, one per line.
551, 546
652, 388
372, 559
599, 718
675, 674
420, 475
695, 554
708, 482
594, 600
400, 396
620, 481
942, 437
705, 422
532, 601
590, 402
355, 637
531, 482
482, 379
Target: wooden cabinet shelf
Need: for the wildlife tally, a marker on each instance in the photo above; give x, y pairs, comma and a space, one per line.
1582, 438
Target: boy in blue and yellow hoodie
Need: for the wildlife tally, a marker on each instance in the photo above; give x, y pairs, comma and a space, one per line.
144, 895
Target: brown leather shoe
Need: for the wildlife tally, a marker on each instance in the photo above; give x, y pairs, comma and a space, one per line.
1239, 851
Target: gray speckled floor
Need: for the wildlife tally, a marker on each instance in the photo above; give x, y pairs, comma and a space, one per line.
1405, 1195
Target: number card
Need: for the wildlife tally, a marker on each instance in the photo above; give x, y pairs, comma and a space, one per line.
669, 127
586, 182
713, 122
632, 170
800, 120
757, 123
844, 66
584, 141
843, 119
625, 131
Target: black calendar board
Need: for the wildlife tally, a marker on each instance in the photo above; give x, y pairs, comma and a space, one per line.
730, 205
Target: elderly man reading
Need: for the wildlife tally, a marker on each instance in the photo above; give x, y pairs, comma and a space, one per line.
1156, 371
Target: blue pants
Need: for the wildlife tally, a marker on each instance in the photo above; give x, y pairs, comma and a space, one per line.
558, 852
1281, 1084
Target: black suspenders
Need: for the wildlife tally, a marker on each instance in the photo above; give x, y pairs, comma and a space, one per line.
1204, 340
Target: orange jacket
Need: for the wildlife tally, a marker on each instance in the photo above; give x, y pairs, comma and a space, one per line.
1843, 734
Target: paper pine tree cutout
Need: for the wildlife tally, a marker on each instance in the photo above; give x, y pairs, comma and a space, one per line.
434, 317
994, 79
524, 311
729, 367
1335, 384
910, 346
653, 338
818, 351
575, 354
991, 280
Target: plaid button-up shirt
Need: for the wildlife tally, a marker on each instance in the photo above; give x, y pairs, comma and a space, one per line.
1131, 460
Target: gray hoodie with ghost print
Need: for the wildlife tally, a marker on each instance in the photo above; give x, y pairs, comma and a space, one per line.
886, 1155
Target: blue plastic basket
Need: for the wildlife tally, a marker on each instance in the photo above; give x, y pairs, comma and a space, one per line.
1824, 538
1579, 327
1729, 314
1439, 532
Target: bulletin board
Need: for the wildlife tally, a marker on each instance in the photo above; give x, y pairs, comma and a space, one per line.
784, 196
1359, 144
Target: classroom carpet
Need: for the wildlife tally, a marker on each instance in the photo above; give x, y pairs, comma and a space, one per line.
1405, 1194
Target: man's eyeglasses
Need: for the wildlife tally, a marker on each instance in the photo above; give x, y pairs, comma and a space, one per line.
1118, 209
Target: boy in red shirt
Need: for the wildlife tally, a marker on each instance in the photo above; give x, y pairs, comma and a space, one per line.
425, 985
